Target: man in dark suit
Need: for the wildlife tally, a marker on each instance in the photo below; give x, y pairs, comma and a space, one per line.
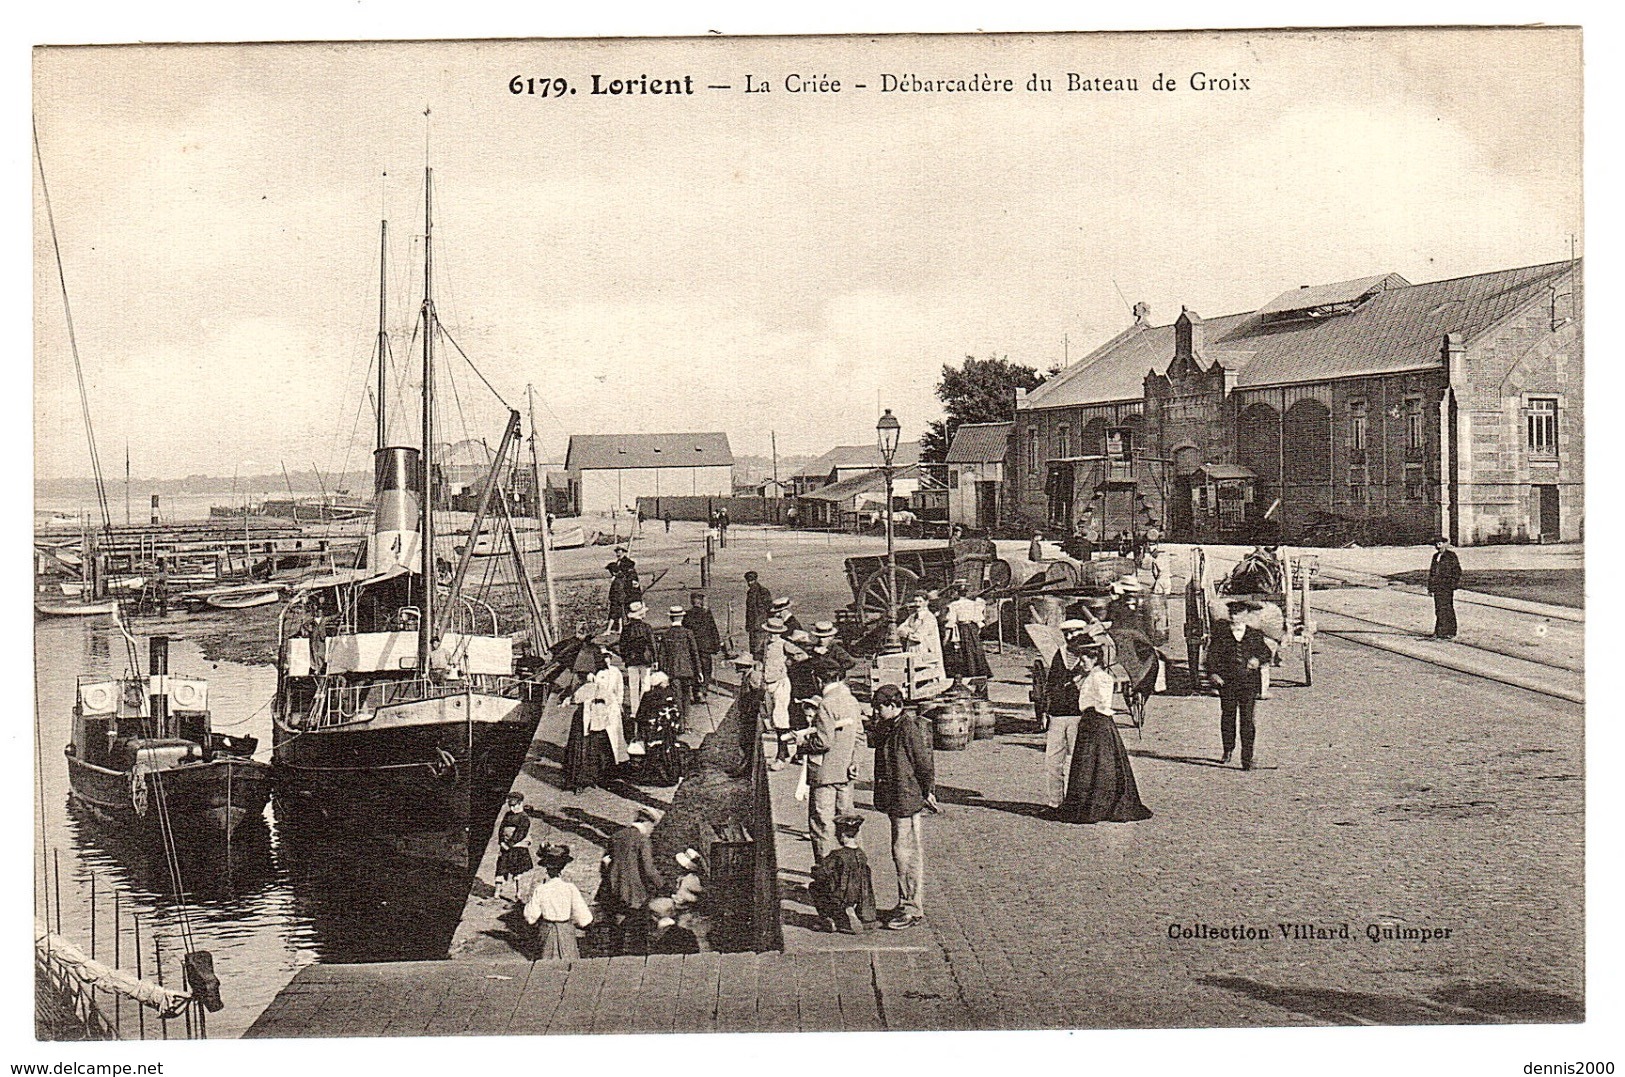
704, 626
758, 608
1235, 657
1444, 576
638, 651
628, 879
680, 658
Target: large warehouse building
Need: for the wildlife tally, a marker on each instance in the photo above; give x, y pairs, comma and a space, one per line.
609, 472
1365, 410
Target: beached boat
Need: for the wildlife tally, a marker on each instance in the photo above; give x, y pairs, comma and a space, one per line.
51, 607
144, 756
245, 600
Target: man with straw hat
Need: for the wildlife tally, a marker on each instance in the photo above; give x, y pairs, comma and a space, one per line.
1063, 682
638, 651
776, 679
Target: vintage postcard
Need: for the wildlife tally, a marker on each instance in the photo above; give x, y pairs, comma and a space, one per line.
808, 534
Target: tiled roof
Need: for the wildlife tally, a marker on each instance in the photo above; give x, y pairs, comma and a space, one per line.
980, 443
848, 456
1399, 329
853, 485
609, 451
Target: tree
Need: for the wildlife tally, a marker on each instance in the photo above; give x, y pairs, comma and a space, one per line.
977, 391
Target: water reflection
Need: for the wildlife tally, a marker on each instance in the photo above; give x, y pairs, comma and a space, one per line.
280, 897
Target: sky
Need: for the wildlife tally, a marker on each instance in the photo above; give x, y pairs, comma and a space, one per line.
757, 263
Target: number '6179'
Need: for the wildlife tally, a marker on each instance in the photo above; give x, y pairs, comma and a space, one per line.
519, 84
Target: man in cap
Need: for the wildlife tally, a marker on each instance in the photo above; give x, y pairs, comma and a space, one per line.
706, 637
638, 651
758, 608
628, 879
624, 588
904, 789
1235, 658
829, 749
1444, 576
680, 658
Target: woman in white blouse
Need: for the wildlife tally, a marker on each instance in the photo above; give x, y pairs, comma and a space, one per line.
556, 907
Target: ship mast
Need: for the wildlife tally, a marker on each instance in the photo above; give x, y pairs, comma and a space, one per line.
383, 333
426, 540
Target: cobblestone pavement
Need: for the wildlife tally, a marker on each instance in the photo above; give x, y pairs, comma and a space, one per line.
1392, 794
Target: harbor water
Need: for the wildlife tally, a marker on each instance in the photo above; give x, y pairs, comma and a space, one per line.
280, 897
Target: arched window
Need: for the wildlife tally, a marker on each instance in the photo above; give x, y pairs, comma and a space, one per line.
1258, 442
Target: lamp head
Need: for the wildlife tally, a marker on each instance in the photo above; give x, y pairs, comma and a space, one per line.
887, 432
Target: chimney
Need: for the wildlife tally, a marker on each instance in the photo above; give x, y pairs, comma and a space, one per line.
1188, 336
1142, 313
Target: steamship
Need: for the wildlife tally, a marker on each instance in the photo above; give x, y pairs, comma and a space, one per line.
399, 707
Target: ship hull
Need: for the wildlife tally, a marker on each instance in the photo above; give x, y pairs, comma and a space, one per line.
428, 776
203, 800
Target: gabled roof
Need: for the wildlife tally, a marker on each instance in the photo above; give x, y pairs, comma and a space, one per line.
1402, 328
867, 456
853, 485
589, 452
980, 443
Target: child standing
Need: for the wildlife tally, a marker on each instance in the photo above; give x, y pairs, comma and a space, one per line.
556, 907
513, 836
842, 889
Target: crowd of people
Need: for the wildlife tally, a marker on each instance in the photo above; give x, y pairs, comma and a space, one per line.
633, 685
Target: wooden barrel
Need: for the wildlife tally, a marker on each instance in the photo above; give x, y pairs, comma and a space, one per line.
984, 722
951, 726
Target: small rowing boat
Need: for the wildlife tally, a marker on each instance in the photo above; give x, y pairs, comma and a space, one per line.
53, 608
244, 600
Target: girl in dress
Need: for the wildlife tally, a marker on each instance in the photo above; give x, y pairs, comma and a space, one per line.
513, 836
556, 907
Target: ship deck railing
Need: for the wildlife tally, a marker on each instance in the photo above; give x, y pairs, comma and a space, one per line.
346, 704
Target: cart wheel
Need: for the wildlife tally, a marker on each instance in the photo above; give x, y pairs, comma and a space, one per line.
1196, 658
872, 597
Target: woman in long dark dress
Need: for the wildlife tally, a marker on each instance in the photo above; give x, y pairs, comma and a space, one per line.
1100, 787
597, 742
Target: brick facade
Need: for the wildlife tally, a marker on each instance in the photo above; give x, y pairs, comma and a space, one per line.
1482, 439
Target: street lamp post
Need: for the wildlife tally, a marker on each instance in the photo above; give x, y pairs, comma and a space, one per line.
887, 431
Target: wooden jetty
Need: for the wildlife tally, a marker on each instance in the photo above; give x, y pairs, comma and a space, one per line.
808, 991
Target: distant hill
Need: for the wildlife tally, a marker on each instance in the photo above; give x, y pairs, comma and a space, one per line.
748, 469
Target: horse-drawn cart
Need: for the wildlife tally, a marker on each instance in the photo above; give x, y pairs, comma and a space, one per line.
927, 569
1278, 580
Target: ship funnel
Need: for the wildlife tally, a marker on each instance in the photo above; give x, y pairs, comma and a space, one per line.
398, 504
